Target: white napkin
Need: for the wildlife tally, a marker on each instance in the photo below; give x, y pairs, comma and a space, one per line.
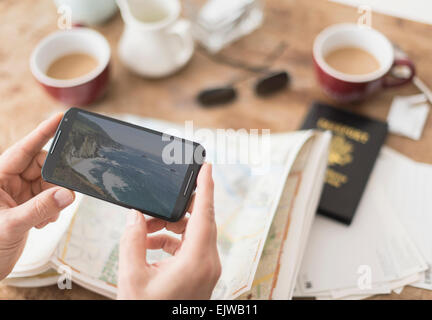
407, 115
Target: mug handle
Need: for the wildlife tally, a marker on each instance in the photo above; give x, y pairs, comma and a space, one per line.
182, 31
387, 83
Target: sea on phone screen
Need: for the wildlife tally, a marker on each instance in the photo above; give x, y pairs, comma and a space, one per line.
119, 163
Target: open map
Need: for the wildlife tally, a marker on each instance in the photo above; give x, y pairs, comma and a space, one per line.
245, 205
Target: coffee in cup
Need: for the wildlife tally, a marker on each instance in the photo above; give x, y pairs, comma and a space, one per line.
352, 60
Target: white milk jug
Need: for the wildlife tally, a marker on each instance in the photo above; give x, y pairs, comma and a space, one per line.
155, 42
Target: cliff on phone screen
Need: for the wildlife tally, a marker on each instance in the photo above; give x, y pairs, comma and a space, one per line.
119, 163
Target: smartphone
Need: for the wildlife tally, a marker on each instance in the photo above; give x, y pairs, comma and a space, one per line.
124, 164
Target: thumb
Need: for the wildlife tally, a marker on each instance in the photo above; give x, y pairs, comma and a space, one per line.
133, 242
46, 205
201, 230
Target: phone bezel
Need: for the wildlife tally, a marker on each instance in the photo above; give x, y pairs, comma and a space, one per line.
183, 198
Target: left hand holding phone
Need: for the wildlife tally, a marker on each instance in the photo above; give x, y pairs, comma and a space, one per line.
26, 200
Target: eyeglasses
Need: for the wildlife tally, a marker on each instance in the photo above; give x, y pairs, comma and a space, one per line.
271, 81
265, 86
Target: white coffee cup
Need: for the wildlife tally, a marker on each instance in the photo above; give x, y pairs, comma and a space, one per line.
88, 12
155, 42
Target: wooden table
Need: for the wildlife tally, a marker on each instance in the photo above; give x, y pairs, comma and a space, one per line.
23, 104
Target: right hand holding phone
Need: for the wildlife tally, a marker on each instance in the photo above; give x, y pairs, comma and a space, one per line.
194, 267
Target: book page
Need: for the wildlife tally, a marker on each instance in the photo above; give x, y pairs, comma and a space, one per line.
41, 244
42, 279
268, 267
280, 261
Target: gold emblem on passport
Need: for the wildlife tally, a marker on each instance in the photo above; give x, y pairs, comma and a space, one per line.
340, 151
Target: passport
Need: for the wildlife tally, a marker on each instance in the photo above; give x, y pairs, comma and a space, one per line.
354, 148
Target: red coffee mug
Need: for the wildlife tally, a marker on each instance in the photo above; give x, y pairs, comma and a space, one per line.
348, 87
78, 91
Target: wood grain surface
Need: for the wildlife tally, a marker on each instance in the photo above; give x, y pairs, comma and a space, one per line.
23, 103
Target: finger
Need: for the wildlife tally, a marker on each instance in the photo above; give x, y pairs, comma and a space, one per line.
155, 224
200, 233
133, 242
165, 242
39, 185
18, 157
179, 226
41, 225
33, 171
46, 222
191, 203
54, 218
43, 207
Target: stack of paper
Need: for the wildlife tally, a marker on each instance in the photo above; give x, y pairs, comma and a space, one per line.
387, 246
409, 186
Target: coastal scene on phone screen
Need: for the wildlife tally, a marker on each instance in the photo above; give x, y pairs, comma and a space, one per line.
120, 164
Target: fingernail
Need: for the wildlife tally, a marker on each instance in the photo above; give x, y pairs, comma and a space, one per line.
132, 217
63, 198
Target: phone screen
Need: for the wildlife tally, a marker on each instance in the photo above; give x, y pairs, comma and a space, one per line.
119, 163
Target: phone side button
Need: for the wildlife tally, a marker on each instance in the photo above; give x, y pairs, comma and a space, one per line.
188, 183
55, 142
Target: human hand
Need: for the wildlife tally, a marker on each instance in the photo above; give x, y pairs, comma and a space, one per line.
26, 200
194, 267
